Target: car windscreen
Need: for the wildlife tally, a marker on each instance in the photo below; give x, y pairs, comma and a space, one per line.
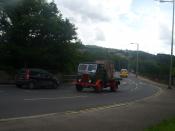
87, 68
82, 67
92, 68
124, 70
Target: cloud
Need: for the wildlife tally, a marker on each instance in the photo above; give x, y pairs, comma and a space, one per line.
164, 32
85, 10
116, 23
99, 35
95, 19
165, 27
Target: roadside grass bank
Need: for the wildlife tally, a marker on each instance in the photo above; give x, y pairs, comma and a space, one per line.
166, 125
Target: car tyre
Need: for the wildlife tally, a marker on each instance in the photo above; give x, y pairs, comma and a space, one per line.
55, 85
19, 86
31, 85
79, 88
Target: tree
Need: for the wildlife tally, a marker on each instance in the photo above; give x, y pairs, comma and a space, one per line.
34, 33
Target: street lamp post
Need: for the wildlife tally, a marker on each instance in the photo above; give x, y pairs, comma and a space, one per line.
137, 61
172, 41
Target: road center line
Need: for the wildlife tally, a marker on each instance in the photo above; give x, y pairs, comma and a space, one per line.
98, 108
54, 98
114, 105
135, 88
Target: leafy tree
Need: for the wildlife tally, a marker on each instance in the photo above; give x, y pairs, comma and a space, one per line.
34, 33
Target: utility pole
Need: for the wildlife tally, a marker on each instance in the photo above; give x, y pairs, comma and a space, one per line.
172, 42
137, 60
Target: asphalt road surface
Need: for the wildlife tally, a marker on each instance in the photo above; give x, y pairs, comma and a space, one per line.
16, 102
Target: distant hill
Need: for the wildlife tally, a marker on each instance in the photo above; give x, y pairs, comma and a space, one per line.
153, 66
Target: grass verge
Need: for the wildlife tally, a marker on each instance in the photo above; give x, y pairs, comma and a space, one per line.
166, 125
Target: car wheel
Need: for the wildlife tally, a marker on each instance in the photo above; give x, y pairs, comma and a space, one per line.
79, 88
19, 86
31, 85
55, 85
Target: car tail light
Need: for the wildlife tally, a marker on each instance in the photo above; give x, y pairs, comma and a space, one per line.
27, 74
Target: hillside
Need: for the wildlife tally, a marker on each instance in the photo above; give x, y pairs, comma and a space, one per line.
153, 66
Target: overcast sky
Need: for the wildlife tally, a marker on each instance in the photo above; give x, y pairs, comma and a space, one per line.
117, 23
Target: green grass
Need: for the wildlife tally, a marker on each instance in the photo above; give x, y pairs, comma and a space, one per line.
166, 125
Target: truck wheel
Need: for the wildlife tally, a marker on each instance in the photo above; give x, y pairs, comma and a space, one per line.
79, 88
114, 86
99, 87
98, 90
113, 89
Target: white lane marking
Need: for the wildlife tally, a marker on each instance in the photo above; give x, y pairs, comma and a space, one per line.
96, 108
115, 105
135, 88
54, 98
141, 83
130, 80
124, 83
136, 85
28, 117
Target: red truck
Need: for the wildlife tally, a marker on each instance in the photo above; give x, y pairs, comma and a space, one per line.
97, 75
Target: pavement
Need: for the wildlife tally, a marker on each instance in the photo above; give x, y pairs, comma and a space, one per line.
133, 116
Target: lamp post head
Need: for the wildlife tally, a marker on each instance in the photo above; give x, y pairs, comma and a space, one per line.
164, 0
135, 44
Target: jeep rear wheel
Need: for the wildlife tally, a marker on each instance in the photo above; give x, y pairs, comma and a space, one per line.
99, 87
113, 86
98, 90
113, 89
79, 88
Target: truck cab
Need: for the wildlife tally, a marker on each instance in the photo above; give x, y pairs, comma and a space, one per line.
95, 75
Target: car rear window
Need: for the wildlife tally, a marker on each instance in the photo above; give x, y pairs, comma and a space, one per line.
124, 70
82, 67
92, 67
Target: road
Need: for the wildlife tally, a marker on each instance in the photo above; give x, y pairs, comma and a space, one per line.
16, 102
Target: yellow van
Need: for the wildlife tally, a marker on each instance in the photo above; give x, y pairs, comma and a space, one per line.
124, 73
